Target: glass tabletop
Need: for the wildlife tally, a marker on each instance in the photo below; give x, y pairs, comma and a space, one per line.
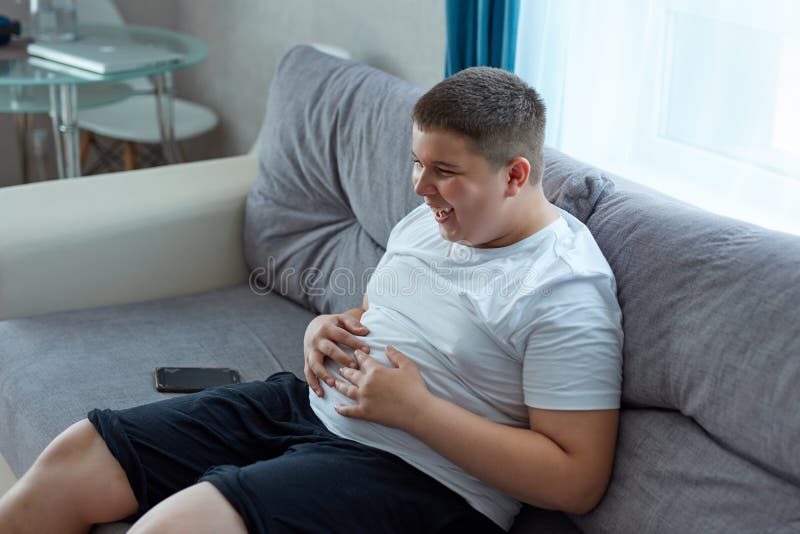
17, 68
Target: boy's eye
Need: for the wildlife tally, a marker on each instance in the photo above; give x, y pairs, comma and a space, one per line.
439, 171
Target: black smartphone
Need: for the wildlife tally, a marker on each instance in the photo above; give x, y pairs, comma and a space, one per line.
191, 379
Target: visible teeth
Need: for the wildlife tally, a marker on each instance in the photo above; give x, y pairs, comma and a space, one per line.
441, 212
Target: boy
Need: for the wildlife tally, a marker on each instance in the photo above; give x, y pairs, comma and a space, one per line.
487, 372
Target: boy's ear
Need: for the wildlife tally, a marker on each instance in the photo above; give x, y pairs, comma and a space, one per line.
518, 171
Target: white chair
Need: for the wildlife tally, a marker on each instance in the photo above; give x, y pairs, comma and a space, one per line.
134, 120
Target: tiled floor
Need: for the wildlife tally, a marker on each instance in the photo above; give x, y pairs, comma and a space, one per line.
7, 478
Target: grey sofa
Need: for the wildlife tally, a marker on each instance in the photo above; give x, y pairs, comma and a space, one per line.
709, 437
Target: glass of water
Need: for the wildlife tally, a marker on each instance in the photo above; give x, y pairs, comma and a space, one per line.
54, 20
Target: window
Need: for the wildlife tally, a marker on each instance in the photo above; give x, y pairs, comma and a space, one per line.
697, 99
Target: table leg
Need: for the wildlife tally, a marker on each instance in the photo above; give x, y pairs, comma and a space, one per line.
56, 130
165, 109
64, 115
69, 129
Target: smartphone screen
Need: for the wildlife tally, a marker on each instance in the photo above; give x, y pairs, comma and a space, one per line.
190, 379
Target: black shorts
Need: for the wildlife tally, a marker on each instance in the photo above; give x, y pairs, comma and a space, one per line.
260, 444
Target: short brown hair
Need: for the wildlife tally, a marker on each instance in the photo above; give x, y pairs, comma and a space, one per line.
498, 111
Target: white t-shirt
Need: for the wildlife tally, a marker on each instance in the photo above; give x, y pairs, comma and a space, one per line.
493, 330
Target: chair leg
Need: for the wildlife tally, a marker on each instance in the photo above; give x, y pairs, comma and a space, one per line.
86, 144
129, 155
22, 124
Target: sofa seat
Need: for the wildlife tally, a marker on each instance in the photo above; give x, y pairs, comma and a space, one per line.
104, 358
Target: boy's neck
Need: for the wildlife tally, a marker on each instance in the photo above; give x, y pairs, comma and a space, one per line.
529, 215
536, 214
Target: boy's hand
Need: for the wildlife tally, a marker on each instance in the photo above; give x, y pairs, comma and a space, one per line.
390, 396
320, 341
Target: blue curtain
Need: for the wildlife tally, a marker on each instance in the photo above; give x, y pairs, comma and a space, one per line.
481, 33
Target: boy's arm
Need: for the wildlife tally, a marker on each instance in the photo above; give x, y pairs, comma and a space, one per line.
563, 462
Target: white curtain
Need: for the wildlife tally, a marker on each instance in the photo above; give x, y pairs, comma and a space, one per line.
699, 99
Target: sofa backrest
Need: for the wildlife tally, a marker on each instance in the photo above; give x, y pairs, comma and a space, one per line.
335, 176
711, 315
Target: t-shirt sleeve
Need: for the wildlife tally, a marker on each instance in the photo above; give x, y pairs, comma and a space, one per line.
573, 353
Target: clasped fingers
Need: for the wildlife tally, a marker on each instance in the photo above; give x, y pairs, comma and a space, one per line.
353, 377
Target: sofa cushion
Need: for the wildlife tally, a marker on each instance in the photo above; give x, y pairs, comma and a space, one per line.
335, 176
670, 477
710, 314
574, 185
105, 357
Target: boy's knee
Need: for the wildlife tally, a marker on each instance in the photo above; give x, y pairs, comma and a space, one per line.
199, 508
76, 441
79, 479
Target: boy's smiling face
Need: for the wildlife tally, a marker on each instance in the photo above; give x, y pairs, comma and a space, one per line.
450, 174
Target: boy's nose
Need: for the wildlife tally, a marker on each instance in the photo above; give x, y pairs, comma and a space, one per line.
422, 185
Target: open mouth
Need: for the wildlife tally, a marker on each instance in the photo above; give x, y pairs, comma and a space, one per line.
442, 214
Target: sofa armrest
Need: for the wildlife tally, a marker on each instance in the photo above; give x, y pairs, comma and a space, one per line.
123, 237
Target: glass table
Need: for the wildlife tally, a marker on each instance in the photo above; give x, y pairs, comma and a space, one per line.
33, 85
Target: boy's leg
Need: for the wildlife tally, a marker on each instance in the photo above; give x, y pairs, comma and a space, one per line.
342, 487
74, 482
198, 509
121, 463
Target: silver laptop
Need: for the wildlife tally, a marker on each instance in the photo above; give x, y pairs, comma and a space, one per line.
103, 55
64, 69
